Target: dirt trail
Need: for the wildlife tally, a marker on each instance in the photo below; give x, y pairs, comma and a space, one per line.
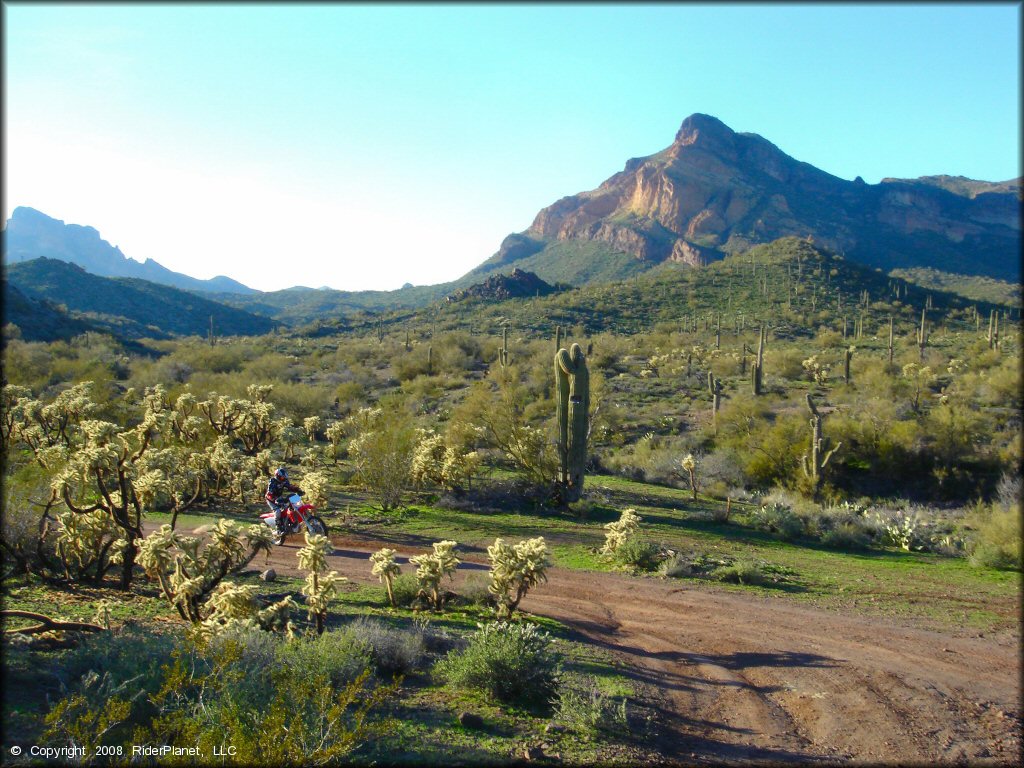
751, 679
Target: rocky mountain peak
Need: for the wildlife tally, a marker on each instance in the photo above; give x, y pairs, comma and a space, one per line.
703, 128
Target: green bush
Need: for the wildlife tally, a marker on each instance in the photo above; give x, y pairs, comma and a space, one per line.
586, 710
779, 520
513, 663
393, 650
741, 572
124, 653
639, 554
277, 702
475, 590
996, 539
405, 587
676, 566
848, 535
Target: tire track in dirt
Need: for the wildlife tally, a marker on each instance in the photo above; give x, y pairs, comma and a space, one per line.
750, 679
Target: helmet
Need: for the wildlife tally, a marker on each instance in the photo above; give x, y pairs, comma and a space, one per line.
281, 474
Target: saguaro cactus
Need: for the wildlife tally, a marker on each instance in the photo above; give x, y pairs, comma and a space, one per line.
715, 388
572, 389
503, 352
819, 454
847, 354
890, 340
922, 332
757, 367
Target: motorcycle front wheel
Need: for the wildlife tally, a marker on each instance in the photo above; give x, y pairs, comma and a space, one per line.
316, 526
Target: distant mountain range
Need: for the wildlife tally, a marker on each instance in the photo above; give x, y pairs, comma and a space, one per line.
49, 298
714, 191
30, 234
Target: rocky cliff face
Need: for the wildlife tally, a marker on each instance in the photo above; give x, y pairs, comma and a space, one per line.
715, 191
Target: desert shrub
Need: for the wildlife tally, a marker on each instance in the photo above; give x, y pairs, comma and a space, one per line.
721, 473
383, 441
124, 653
587, 711
676, 566
302, 400
405, 588
513, 663
637, 553
392, 650
778, 519
310, 711
995, 541
847, 535
741, 572
476, 590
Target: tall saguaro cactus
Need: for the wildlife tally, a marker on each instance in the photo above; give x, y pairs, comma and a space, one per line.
922, 333
890, 340
572, 390
757, 367
715, 388
503, 352
819, 453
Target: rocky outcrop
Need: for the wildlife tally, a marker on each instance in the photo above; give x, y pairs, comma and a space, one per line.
517, 285
715, 191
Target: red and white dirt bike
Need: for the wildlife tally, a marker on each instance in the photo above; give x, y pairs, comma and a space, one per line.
295, 515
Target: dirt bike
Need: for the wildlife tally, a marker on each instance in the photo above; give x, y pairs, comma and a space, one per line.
295, 515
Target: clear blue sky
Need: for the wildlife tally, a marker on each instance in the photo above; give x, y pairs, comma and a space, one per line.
367, 146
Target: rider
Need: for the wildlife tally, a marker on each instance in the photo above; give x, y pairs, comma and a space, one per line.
276, 488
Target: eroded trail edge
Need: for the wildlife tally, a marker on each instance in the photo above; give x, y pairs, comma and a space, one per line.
745, 678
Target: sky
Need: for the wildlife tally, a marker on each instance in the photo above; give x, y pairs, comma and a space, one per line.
364, 147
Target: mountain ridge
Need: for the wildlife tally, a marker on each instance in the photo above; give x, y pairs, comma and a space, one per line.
714, 191
31, 234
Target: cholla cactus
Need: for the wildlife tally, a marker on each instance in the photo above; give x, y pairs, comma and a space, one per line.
690, 465
920, 377
188, 573
444, 465
816, 370
386, 569
430, 569
335, 433
627, 525
313, 426
88, 542
321, 584
314, 486
233, 606
515, 569
956, 365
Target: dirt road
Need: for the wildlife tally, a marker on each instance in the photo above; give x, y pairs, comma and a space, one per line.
751, 679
